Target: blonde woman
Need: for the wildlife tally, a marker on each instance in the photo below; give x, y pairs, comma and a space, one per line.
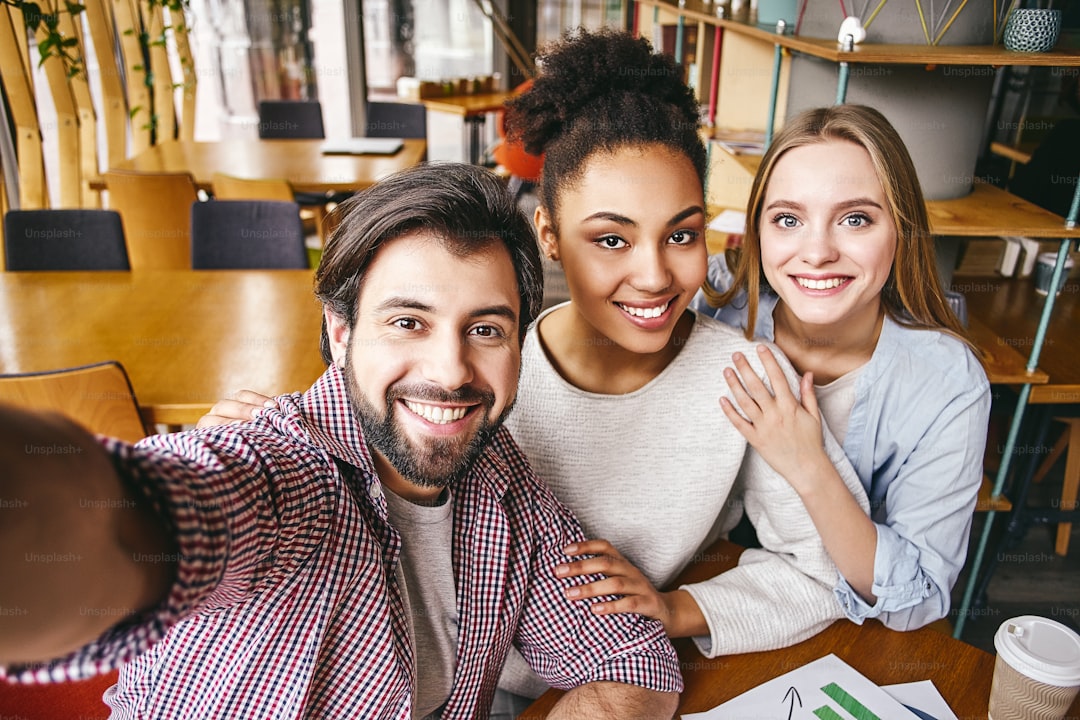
837, 269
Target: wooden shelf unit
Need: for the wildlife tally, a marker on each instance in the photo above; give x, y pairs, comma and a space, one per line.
877, 53
986, 211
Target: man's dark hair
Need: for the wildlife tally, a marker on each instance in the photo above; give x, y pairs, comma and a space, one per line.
465, 206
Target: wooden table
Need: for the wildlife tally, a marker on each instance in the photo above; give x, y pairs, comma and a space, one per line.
962, 673
186, 338
473, 109
1010, 308
301, 162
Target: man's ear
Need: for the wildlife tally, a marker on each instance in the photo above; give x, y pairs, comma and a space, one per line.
338, 333
545, 231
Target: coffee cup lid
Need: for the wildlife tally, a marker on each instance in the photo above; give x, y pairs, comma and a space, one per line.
1043, 649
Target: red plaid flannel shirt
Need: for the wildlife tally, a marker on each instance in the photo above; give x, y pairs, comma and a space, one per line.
285, 603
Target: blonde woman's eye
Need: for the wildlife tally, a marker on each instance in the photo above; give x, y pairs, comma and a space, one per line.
857, 220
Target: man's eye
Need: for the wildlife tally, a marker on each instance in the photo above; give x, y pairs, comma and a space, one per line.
406, 323
487, 331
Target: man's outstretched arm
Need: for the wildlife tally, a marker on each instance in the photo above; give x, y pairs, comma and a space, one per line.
614, 700
71, 538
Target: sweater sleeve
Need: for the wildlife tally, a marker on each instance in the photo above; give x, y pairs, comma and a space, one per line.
782, 593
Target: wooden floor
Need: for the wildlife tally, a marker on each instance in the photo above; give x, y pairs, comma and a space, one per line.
1030, 579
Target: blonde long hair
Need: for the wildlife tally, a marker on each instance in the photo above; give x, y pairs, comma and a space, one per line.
912, 295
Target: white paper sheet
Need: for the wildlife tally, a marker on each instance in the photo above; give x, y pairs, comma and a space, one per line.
922, 696
811, 692
729, 221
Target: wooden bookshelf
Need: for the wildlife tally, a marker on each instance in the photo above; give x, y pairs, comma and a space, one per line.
989, 210
877, 53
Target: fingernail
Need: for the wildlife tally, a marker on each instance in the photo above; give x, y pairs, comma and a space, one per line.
561, 570
570, 549
573, 592
256, 412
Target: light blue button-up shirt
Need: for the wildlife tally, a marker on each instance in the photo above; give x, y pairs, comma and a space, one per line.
916, 439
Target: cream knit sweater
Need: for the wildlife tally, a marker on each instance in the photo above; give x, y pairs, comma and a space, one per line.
661, 473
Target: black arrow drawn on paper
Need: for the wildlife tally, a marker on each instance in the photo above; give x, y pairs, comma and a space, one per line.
791, 691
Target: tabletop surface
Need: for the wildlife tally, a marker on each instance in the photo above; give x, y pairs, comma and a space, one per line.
468, 105
301, 162
1011, 308
961, 673
186, 338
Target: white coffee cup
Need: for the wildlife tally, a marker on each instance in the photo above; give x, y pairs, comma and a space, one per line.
1037, 671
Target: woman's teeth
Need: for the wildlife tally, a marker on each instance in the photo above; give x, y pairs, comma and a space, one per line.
826, 284
650, 312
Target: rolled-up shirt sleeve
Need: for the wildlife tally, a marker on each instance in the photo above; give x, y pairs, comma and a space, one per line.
924, 521
568, 645
234, 526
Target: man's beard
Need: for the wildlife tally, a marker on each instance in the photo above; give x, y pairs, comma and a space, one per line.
437, 462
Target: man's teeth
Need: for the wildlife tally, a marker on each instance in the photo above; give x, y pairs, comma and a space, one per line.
651, 312
435, 414
826, 284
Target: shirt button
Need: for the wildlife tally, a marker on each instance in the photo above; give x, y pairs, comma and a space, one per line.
375, 492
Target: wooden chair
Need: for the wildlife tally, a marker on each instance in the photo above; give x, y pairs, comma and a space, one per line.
100, 398
247, 234
156, 210
1069, 445
89, 239
77, 699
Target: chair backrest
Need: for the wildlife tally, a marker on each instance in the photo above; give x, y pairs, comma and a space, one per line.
290, 119
156, 212
396, 120
230, 187
247, 234
89, 239
98, 396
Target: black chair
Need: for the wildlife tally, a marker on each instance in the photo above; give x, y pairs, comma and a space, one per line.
247, 235
90, 239
296, 120
290, 120
396, 120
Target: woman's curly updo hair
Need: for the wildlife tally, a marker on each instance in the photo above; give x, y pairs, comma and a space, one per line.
599, 91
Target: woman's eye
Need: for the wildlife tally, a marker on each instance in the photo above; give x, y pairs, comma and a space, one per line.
858, 220
786, 221
683, 237
612, 242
